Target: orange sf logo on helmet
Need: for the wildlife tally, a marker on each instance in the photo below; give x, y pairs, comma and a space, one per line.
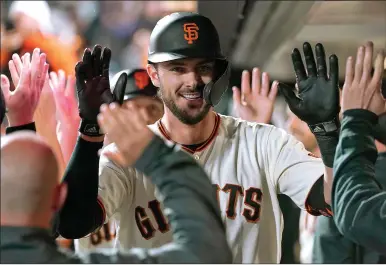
191, 30
141, 79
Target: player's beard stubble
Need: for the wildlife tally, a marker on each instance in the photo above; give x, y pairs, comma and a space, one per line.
183, 115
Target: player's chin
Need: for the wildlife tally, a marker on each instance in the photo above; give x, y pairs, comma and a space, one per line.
194, 109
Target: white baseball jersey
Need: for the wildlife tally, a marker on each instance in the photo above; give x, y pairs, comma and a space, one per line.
104, 238
248, 164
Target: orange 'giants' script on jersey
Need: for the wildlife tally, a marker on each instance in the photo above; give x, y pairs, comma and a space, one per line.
251, 211
191, 30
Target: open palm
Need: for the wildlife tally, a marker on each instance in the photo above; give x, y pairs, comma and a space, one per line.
255, 102
64, 95
28, 77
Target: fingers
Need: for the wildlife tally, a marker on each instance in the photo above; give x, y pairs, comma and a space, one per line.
359, 64
5, 85
45, 77
378, 69
256, 82
106, 56
61, 81
367, 62
96, 60
334, 70
54, 80
25, 77
310, 60
349, 76
18, 63
265, 86
87, 64
35, 63
81, 76
290, 97
321, 61
42, 71
115, 123
70, 87
14, 73
106, 119
115, 156
236, 97
245, 85
144, 114
298, 65
26, 59
136, 115
273, 91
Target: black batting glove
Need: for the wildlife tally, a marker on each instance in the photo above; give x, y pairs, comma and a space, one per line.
93, 88
317, 100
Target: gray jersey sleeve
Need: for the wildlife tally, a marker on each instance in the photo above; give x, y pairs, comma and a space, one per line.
190, 205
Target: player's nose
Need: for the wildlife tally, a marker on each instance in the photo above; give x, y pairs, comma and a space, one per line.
193, 79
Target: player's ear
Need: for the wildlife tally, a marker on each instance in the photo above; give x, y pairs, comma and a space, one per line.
59, 196
153, 74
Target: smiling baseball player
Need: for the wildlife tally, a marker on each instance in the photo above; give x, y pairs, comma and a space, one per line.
248, 163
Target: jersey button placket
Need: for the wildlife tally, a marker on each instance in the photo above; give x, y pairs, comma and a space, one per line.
197, 157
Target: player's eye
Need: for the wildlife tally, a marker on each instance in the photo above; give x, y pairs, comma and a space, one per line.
178, 69
205, 69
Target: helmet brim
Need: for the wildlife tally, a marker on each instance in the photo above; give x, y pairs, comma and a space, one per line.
166, 57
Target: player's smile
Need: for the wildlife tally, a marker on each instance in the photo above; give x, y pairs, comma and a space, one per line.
193, 99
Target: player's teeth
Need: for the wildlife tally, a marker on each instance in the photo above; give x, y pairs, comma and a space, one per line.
191, 96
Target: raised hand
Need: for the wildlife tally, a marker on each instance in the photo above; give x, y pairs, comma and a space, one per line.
63, 90
361, 89
93, 87
65, 99
255, 102
28, 77
317, 100
127, 128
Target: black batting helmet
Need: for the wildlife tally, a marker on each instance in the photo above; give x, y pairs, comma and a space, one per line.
191, 35
138, 84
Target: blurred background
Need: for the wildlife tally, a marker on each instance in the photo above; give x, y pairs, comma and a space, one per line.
252, 34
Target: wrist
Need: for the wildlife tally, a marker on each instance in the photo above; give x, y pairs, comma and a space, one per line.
327, 146
261, 120
90, 128
14, 121
326, 128
29, 126
361, 114
93, 139
327, 137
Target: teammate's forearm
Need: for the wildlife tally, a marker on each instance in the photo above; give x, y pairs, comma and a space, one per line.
81, 213
67, 136
328, 178
357, 198
327, 146
195, 218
